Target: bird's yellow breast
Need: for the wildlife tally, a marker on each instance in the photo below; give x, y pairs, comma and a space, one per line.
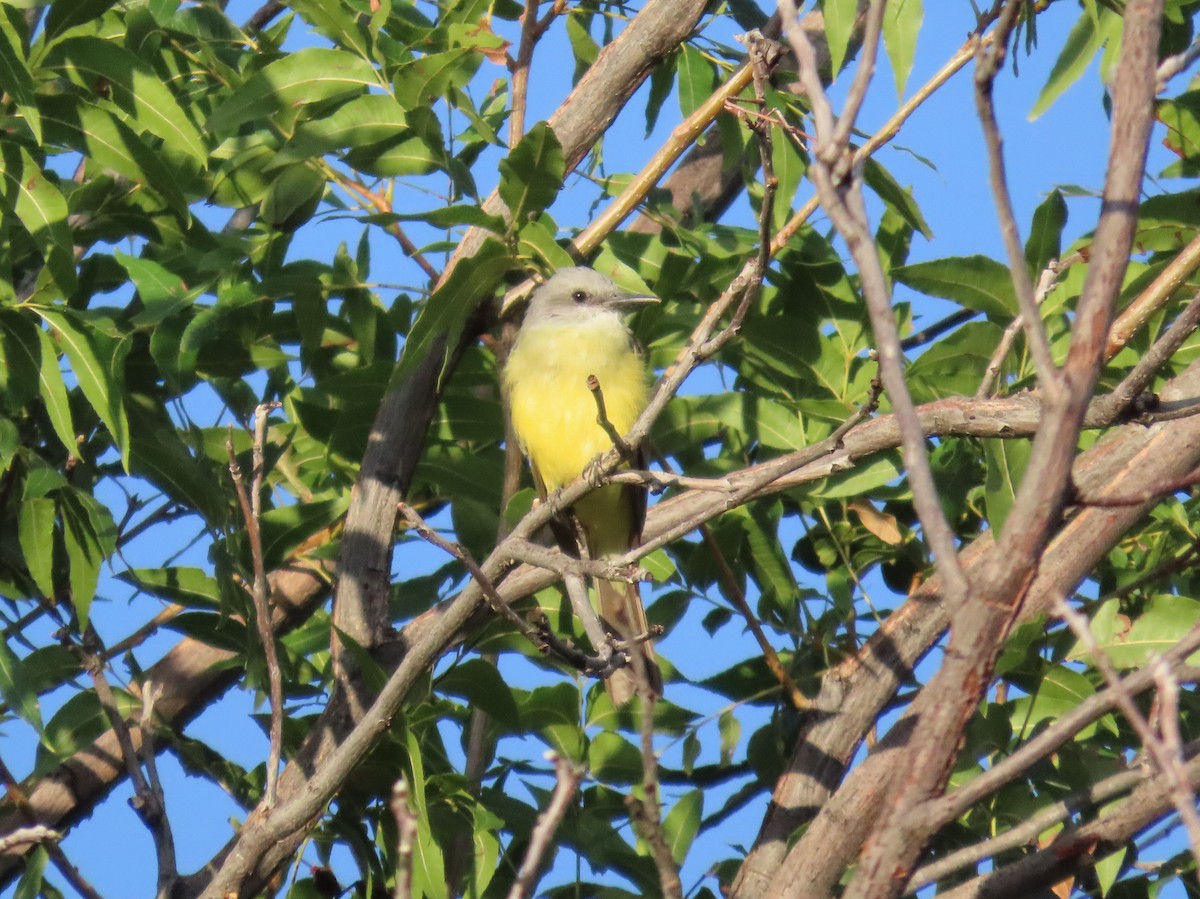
553, 412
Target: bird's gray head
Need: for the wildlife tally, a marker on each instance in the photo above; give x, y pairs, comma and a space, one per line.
578, 291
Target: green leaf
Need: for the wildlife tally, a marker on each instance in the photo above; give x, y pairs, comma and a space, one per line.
363, 120
695, 80
20, 359
186, 586
80, 721
1045, 235
30, 886
613, 759
531, 176
133, 87
1163, 622
690, 420
682, 823
337, 21
954, 365
1006, 463
445, 312
553, 712
35, 531
976, 282
898, 199
307, 76
66, 14
16, 79
482, 686
901, 25
107, 141
32, 197
84, 574
162, 292
97, 361
731, 732
839, 26
54, 394
1059, 691
1085, 39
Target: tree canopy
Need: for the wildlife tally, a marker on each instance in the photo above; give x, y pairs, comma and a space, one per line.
919, 560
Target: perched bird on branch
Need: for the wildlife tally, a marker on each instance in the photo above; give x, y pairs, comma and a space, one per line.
574, 331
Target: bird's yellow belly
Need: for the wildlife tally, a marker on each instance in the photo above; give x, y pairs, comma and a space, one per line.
553, 411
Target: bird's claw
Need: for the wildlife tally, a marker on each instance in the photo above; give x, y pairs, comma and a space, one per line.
593, 472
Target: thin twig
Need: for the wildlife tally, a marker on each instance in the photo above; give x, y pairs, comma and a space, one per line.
645, 814
988, 62
568, 776
839, 186
1027, 831
1156, 294
168, 871
1167, 758
384, 205
406, 832
532, 29
260, 589
28, 836
1173, 65
990, 375
1134, 383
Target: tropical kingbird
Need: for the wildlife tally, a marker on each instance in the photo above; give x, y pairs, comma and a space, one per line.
574, 329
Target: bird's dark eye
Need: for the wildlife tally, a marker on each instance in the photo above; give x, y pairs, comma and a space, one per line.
579, 296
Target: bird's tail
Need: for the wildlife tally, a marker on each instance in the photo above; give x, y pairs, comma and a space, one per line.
621, 610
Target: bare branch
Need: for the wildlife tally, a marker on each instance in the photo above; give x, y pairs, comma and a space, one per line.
1151, 299
1166, 753
260, 592
568, 776
988, 62
406, 833
645, 814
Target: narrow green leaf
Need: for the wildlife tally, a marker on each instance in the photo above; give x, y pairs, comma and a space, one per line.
839, 26
86, 529
897, 198
97, 362
446, 311
662, 79
363, 120
179, 584
976, 282
1081, 45
101, 136
306, 76
531, 176
1162, 623
1045, 235
162, 292
66, 14
16, 79
35, 531
16, 688
901, 25
20, 359
31, 196
1006, 462
337, 21
695, 79
133, 87
682, 823
30, 884
482, 686
54, 394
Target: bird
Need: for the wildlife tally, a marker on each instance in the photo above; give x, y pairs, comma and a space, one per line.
574, 327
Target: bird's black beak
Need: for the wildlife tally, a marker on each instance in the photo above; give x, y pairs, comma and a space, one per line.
630, 300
